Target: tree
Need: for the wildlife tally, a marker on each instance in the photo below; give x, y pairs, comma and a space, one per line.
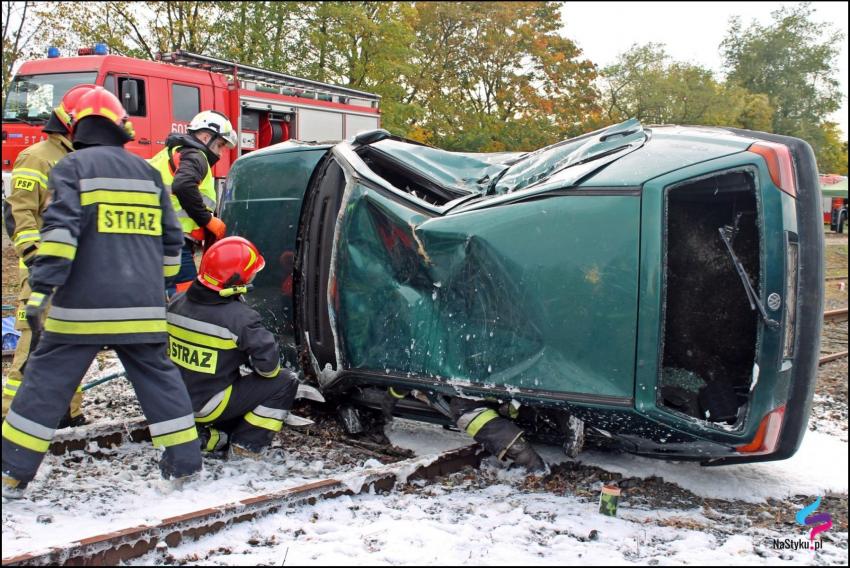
756, 112
792, 61
466, 75
19, 28
134, 29
833, 156
363, 45
646, 84
264, 34
496, 76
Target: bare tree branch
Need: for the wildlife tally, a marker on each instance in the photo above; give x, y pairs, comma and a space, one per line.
139, 37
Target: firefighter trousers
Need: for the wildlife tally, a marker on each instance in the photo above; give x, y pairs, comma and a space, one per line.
251, 410
188, 270
22, 351
53, 373
484, 424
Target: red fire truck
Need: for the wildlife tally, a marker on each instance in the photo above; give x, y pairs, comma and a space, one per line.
266, 107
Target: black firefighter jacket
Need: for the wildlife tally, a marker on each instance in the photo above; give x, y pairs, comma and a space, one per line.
210, 337
109, 237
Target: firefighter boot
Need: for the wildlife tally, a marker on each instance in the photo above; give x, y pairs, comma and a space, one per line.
502, 438
69, 421
523, 454
241, 452
179, 483
12, 488
213, 441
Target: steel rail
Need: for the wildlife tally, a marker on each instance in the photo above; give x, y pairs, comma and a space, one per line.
835, 314
131, 542
832, 357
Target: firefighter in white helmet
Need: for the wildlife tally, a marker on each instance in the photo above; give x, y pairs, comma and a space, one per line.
186, 168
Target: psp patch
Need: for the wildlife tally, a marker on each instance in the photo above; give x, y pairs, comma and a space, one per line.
192, 357
129, 220
25, 184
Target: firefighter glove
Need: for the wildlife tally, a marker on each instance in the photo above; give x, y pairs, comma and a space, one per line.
217, 227
35, 308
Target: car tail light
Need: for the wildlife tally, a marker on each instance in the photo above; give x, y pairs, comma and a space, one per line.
779, 164
791, 261
767, 436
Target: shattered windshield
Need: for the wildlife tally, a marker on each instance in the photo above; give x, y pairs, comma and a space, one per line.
466, 172
612, 143
438, 177
33, 97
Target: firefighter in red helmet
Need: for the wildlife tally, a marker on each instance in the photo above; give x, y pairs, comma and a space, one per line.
104, 242
23, 216
212, 332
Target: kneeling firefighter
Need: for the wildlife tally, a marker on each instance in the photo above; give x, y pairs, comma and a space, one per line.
212, 332
499, 435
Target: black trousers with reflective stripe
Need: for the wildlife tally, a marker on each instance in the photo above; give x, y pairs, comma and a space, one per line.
249, 392
55, 370
495, 435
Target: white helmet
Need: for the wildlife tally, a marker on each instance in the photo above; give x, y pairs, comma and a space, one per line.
215, 122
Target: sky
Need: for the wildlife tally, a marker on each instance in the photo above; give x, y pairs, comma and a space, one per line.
692, 31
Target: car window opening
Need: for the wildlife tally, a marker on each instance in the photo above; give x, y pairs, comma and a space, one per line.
710, 326
405, 179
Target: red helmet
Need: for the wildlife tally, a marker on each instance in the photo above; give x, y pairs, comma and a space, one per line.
232, 261
65, 111
100, 102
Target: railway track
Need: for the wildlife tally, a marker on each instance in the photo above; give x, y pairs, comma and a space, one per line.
832, 357
105, 435
131, 542
835, 315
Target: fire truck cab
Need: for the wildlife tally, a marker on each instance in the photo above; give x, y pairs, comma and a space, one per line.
266, 107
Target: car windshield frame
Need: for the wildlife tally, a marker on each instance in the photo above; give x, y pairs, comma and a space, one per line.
538, 167
42, 94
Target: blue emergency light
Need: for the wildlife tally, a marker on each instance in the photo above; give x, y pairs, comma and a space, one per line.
100, 49
52, 52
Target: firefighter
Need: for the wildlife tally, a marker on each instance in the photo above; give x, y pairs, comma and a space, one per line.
186, 167
212, 332
107, 237
494, 430
23, 212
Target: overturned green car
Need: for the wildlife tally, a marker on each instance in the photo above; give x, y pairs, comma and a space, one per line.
657, 289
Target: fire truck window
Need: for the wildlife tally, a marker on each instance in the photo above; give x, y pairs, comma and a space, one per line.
33, 97
185, 102
143, 107
109, 84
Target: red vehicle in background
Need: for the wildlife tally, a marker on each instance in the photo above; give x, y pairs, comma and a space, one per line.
834, 196
266, 107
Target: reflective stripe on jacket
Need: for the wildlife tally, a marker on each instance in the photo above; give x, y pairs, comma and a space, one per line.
210, 339
29, 195
163, 163
107, 237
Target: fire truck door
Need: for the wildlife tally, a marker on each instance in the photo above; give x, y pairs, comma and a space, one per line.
134, 93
